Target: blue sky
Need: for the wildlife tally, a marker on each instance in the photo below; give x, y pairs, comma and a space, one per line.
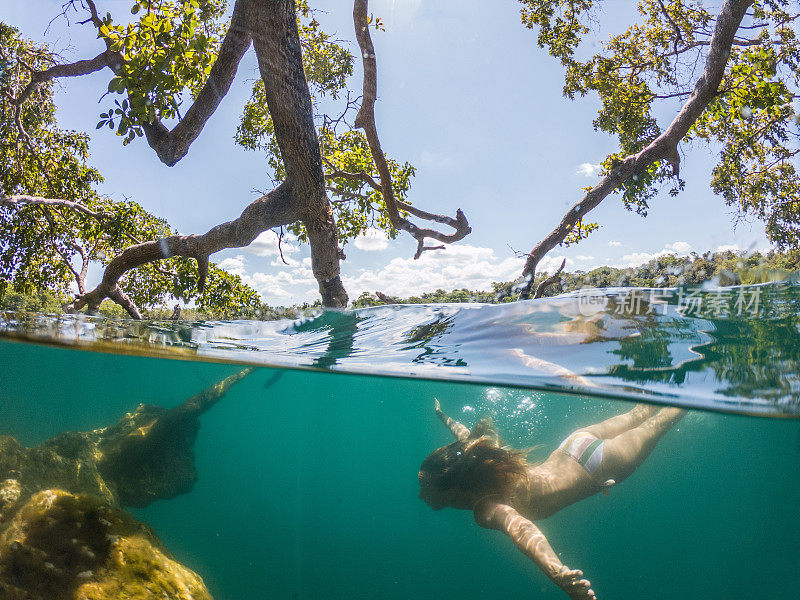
468, 98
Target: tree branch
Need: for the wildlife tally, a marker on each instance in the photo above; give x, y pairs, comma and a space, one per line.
360, 176
542, 287
80, 278
366, 121
75, 69
67, 261
172, 145
19, 200
272, 210
37, 78
664, 147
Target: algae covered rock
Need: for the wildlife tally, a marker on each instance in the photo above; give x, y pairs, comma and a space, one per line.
146, 456
137, 569
10, 492
63, 533
66, 461
75, 547
149, 455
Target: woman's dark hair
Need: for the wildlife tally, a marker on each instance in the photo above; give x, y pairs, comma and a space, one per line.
477, 464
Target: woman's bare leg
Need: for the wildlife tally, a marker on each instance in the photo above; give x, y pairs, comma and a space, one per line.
623, 454
611, 428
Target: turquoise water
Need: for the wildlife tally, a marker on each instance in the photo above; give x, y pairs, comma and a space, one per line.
307, 479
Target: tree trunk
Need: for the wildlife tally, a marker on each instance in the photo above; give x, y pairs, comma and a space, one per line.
272, 27
276, 41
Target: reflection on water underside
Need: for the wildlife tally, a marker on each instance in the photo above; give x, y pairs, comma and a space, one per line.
733, 348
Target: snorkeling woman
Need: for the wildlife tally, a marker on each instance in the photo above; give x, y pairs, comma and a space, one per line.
507, 493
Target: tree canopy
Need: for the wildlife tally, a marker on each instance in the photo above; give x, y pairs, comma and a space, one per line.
732, 72
47, 242
172, 53
742, 102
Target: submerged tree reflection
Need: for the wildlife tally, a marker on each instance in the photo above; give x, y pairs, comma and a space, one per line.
752, 358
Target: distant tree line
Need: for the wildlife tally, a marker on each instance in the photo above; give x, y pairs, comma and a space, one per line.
724, 268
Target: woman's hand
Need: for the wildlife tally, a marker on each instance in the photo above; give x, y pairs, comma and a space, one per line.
572, 582
532, 542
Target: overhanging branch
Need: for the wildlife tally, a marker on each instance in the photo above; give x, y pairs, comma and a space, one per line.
664, 147
170, 145
75, 69
173, 145
366, 121
272, 210
19, 200
542, 287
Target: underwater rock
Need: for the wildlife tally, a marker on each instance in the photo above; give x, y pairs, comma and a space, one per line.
63, 534
10, 491
148, 455
62, 546
66, 461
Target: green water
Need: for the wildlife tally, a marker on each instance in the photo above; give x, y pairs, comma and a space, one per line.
308, 485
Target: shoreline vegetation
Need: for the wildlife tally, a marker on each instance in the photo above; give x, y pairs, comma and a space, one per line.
723, 268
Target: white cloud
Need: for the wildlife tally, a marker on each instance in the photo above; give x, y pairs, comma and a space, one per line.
584, 257
614, 243
680, 247
273, 287
638, 258
550, 264
234, 265
372, 240
726, 247
459, 266
266, 244
588, 170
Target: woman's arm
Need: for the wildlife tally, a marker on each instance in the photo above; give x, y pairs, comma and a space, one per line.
533, 544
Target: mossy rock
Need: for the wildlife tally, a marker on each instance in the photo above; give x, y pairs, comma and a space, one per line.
148, 455
136, 570
61, 546
10, 495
